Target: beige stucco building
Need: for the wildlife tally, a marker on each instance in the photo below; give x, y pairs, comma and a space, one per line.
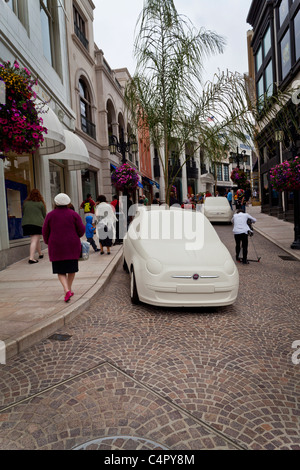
97, 98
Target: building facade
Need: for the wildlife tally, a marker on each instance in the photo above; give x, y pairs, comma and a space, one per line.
275, 46
84, 103
34, 33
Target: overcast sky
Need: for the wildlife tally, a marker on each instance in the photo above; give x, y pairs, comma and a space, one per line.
115, 21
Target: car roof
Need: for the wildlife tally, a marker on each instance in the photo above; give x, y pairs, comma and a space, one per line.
171, 225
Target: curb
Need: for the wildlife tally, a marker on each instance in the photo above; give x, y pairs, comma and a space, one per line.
45, 328
291, 252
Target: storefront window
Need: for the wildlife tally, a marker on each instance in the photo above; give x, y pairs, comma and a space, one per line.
56, 179
18, 174
89, 184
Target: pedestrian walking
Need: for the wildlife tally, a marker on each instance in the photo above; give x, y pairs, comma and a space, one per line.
106, 220
88, 205
62, 230
241, 201
229, 197
90, 230
34, 213
240, 230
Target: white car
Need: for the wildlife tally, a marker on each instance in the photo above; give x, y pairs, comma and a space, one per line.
175, 258
217, 209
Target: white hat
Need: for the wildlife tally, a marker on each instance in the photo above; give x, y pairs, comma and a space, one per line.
62, 199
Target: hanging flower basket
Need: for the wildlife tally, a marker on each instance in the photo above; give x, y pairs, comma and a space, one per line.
21, 129
239, 177
286, 176
125, 178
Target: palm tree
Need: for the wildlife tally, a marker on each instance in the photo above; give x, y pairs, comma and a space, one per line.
167, 95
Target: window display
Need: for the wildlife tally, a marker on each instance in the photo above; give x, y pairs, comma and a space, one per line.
18, 173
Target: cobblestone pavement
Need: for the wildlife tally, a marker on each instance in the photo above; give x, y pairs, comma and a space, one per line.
139, 377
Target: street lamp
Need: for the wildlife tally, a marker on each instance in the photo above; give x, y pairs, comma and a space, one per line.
123, 147
238, 157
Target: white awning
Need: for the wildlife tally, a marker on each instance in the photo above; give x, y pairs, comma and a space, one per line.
75, 152
54, 140
207, 178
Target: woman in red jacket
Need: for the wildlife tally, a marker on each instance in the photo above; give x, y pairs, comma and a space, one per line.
62, 230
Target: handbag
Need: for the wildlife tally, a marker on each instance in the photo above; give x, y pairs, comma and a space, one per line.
85, 251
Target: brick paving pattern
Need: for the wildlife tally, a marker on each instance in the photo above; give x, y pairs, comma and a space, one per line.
183, 379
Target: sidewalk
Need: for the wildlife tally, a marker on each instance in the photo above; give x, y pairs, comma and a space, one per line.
32, 303
277, 231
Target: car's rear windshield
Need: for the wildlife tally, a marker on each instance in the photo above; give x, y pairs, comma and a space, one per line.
173, 227
216, 201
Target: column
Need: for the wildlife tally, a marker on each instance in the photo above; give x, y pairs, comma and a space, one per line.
4, 240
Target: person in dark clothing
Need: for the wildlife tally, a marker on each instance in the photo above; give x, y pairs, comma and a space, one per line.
156, 199
120, 218
88, 205
173, 199
62, 231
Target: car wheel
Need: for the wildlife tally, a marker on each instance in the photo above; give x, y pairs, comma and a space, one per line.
133, 290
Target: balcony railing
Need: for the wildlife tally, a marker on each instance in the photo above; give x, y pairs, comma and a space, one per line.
81, 36
88, 127
192, 172
175, 170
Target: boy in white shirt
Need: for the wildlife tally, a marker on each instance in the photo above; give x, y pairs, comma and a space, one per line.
240, 230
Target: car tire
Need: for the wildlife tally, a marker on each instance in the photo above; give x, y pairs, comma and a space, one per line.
134, 296
125, 267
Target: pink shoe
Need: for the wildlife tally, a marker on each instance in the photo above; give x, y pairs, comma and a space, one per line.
68, 296
72, 293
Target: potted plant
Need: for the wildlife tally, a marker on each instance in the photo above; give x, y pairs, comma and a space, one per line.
239, 177
125, 178
21, 127
286, 175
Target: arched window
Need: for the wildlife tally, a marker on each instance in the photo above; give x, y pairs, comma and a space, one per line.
86, 110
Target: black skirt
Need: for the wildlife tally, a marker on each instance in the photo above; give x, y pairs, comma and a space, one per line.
65, 266
31, 230
107, 241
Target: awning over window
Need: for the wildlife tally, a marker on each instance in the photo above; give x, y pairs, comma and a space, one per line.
75, 152
153, 183
207, 178
55, 138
